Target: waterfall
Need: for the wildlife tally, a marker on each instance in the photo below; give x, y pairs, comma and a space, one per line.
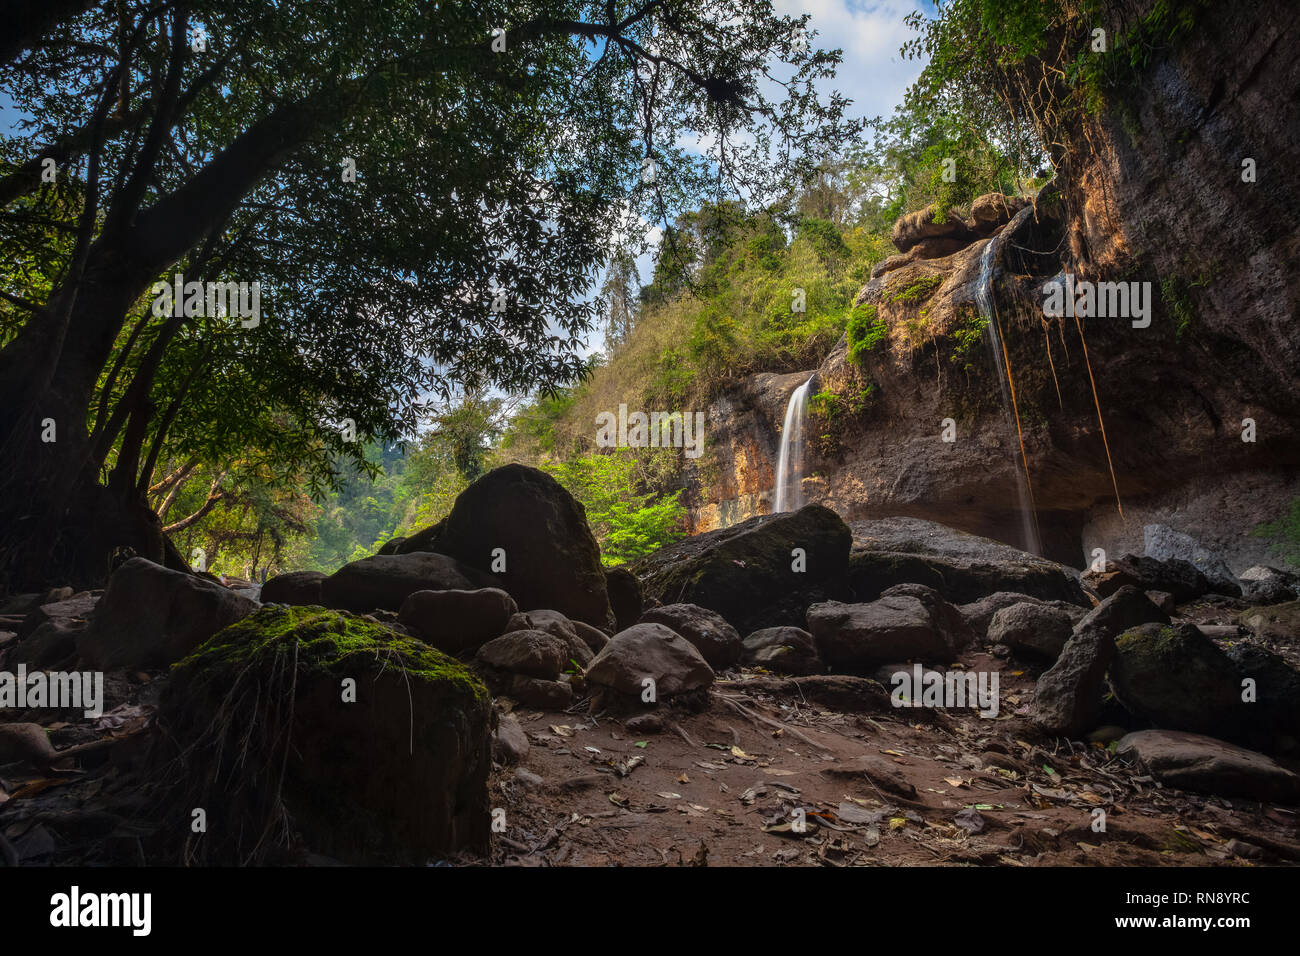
984, 299
789, 464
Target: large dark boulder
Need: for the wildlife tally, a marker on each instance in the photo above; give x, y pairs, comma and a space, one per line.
1068, 696
1207, 765
618, 674
525, 517
385, 581
294, 587
747, 573
151, 616
979, 614
625, 597
712, 636
1038, 630
962, 567
1176, 677
396, 775
1275, 712
455, 621
426, 539
531, 653
856, 637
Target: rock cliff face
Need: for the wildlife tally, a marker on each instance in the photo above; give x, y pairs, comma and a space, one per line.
734, 481
1153, 416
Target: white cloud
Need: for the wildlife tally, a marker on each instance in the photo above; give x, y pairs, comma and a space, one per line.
874, 75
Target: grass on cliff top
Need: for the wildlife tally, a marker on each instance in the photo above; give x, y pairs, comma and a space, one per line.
741, 317
916, 291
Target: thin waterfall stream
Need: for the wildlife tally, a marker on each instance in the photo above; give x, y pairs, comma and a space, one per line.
988, 309
789, 463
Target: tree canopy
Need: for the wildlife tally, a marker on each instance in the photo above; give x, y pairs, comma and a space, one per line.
425, 194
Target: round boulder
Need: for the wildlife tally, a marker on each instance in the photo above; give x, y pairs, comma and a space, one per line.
455, 621
525, 517
713, 637
647, 652
151, 616
294, 587
386, 580
1038, 630
531, 653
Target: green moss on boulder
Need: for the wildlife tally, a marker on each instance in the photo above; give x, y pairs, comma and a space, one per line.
306, 729
1177, 678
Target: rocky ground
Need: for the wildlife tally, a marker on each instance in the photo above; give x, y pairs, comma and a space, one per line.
731, 700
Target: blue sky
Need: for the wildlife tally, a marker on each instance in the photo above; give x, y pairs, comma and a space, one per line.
873, 73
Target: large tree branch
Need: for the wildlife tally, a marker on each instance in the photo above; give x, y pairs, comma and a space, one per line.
215, 494
169, 480
26, 21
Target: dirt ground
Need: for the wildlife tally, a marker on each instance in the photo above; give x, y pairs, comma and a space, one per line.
775, 772
892, 787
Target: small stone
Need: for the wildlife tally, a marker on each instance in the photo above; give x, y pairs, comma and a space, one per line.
509, 742
1106, 734
1240, 848
528, 778
644, 724
1163, 600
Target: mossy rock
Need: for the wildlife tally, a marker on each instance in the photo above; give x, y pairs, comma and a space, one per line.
1277, 622
866, 331
1177, 678
916, 291
395, 774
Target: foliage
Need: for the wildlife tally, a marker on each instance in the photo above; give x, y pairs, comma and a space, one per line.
489, 187
967, 335
627, 523
1284, 533
866, 332
918, 291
